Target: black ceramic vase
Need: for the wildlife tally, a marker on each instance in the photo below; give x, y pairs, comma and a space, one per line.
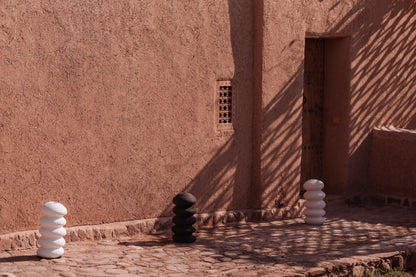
184, 218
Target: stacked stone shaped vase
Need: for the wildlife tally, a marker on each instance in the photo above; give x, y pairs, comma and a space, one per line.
184, 218
52, 231
314, 203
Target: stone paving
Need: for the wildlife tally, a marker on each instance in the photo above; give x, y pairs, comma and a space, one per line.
353, 238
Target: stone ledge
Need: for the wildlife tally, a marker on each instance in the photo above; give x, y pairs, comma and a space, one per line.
28, 239
391, 132
355, 266
381, 200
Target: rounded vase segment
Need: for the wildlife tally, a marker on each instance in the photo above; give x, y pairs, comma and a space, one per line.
50, 253
54, 209
314, 195
51, 242
52, 232
313, 184
315, 204
184, 200
314, 213
52, 222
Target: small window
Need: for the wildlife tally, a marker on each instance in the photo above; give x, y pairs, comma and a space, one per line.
224, 109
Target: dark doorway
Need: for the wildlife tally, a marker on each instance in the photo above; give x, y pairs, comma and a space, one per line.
326, 112
313, 93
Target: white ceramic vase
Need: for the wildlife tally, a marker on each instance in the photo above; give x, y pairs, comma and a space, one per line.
314, 204
52, 231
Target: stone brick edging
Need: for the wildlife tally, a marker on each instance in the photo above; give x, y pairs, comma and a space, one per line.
382, 200
383, 262
28, 239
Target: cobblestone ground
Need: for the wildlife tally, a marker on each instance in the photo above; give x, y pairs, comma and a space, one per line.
279, 248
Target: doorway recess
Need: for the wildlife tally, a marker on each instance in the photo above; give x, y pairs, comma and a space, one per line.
326, 87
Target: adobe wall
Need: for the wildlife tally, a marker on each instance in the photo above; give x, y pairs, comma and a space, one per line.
383, 80
286, 24
392, 163
375, 40
278, 95
108, 108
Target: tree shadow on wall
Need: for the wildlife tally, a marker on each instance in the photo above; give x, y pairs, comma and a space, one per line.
382, 89
225, 182
383, 81
222, 184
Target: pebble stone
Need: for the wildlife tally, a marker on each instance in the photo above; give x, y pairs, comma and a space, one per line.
278, 248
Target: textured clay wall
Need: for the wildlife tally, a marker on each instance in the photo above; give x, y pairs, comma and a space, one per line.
392, 163
278, 95
373, 43
281, 82
108, 107
383, 79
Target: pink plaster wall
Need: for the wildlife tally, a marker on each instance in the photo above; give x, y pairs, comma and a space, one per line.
377, 86
392, 163
279, 113
383, 79
108, 106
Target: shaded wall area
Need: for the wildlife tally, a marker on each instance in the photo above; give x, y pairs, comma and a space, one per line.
383, 80
278, 83
224, 182
382, 77
376, 48
392, 163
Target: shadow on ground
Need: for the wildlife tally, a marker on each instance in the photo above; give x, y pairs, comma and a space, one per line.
348, 231
22, 258
382, 87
